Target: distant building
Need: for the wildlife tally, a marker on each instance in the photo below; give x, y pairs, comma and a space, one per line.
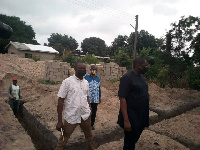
31, 51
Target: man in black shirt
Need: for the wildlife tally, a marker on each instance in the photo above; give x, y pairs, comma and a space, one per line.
134, 103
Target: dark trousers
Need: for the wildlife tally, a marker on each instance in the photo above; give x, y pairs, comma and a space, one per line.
94, 111
14, 104
130, 139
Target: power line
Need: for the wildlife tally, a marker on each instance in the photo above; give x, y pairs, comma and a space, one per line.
116, 10
93, 5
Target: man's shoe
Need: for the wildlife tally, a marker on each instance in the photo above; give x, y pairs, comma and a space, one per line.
93, 128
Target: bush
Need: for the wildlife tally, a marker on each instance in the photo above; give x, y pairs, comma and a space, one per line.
69, 57
48, 82
122, 59
114, 80
89, 59
194, 77
36, 58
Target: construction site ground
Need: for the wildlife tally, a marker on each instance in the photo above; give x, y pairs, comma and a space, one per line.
174, 114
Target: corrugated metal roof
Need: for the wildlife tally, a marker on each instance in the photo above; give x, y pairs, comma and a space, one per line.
19, 46
30, 47
41, 48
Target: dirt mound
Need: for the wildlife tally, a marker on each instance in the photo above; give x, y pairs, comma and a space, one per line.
26, 70
42, 99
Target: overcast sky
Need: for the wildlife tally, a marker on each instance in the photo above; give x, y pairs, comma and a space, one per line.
105, 19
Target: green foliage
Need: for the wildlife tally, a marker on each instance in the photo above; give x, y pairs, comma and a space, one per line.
89, 59
195, 45
163, 75
185, 37
122, 59
120, 41
36, 58
191, 96
144, 52
48, 82
62, 43
114, 80
107, 60
70, 58
145, 40
194, 77
21, 32
94, 45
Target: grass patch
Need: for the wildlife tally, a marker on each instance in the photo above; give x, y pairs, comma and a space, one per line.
114, 80
48, 82
191, 96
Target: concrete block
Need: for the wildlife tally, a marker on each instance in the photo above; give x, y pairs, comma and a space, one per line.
56, 65
101, 63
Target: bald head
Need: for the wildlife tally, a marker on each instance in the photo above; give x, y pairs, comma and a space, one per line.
138, 61
140, 65
80, 70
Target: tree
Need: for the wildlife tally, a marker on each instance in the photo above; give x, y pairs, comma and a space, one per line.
185, 37
93, 45
89, 59
195, 45
145, 40
122, 58
120, 41
21, 32
62, 43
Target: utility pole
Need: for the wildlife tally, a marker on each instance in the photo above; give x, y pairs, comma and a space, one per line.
135, 42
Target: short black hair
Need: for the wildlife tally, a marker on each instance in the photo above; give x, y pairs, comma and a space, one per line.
78, 62
138, 61
93, 67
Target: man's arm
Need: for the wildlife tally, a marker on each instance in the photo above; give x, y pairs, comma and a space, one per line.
123, 107
20, 94
99, 94
10, 92
59, 111
88, 100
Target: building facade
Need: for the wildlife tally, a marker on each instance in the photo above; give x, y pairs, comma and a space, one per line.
36, 52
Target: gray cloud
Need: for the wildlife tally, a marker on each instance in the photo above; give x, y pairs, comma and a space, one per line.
164, 10
105, 19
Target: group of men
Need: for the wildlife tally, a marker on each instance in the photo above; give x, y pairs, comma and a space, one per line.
80, 94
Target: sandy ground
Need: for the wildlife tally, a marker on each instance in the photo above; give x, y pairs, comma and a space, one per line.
148, 141
41, 101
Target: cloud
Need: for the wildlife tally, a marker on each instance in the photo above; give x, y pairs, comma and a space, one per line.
105, 19
164, 10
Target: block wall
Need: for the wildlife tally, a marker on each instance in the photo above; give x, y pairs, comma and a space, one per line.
110, 71
57, 70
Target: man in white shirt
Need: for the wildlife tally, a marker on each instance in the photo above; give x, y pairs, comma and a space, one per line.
74, 97
14, 93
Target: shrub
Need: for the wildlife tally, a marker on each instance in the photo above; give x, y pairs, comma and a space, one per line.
36, 58
89, 59
48, 82
194, 77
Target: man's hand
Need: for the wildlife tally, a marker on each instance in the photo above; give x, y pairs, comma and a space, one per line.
100, 101
127, 125
14, 98
59, 126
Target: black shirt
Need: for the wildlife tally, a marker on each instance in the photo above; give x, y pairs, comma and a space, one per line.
134, 89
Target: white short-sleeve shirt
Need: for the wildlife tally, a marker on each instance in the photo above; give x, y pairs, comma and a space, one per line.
75, 92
